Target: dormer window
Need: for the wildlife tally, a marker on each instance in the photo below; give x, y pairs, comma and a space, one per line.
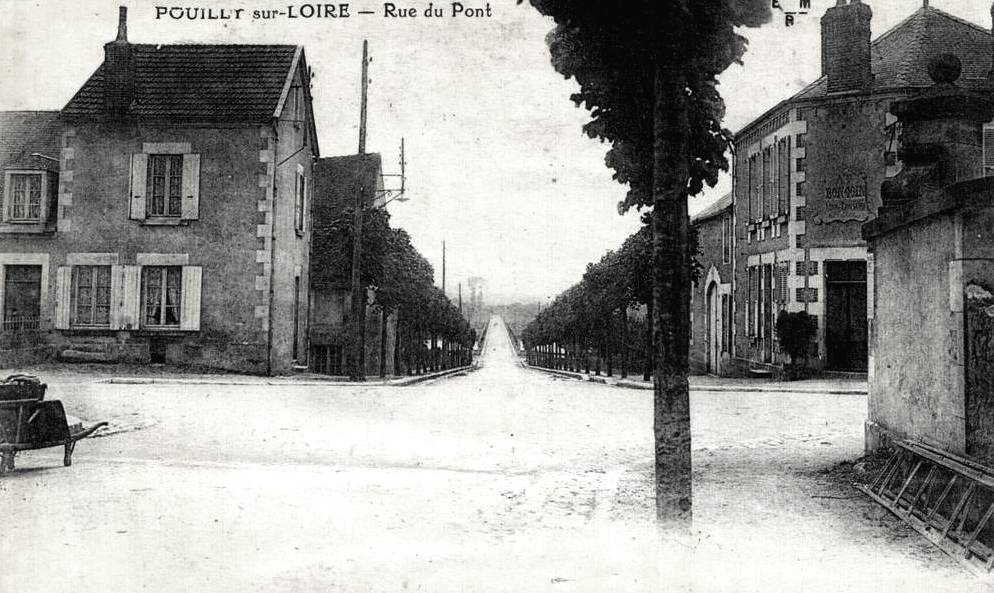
25, 197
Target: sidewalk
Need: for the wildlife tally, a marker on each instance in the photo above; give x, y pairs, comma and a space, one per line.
840, 386
123, 374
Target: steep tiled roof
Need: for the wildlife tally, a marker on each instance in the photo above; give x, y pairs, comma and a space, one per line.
900, 56
23, 133
336, 182
197, 83
724, 203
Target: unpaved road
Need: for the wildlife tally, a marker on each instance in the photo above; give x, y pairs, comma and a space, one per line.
505, 479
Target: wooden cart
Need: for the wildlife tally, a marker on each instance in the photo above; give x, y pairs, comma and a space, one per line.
28, 421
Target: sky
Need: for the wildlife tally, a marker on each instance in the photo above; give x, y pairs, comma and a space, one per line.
497, 164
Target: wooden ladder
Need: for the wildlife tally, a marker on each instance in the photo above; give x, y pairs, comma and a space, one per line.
946, 498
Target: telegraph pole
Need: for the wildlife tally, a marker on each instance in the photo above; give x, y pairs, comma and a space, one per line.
443, 267
357, 360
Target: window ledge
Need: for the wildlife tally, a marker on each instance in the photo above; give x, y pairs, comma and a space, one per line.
26, 227
172, 330
165, 221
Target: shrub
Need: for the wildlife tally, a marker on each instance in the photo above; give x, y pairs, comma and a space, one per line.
795, 331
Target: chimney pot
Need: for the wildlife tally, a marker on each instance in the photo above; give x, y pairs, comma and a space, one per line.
122, 24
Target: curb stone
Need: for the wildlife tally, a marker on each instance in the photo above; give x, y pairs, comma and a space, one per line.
625, 384
398, 382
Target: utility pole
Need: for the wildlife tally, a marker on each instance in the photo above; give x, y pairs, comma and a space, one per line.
460, 297
443, 267
362, 106
357, 360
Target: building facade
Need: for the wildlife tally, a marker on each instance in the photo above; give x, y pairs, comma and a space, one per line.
338, 181
712, 332
179, 230
807, 176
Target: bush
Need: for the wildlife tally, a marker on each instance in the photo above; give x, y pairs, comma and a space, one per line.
795, 331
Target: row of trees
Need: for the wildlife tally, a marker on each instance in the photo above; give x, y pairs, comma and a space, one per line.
591, 327
432, 333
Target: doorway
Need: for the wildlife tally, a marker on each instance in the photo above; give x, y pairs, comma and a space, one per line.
713, 326
845, 316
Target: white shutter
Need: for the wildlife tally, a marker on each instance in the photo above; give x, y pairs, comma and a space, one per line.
988, 147
190, 300
63, 296
139, 169
125, 295
191, 187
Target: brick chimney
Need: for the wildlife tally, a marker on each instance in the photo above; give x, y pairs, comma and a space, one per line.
119, 70
845, 46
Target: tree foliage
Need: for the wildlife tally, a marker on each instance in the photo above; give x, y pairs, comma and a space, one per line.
613, 52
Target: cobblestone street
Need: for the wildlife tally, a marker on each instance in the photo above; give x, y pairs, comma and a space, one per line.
506, 479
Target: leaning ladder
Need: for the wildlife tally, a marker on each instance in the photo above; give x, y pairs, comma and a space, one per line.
946, 498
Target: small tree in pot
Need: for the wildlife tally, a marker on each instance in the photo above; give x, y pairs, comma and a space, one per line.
795, 331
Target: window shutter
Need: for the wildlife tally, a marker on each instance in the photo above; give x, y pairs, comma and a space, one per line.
191, 187
139, 169
988, 147
190, 302
63, 296
125, 294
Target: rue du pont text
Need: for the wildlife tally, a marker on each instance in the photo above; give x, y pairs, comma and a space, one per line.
324, 11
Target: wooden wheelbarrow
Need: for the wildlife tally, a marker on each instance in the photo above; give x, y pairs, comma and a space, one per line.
29, 422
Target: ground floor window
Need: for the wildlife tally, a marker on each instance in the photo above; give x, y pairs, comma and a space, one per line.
161, 295
22, 297
91, 296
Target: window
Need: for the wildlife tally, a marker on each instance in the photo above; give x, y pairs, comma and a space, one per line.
751, 303
726, 238
91, 296
726, 323
25, 196
161, 295
783, 184
21, 297
26, 200
768, 181
300, 201
753, 190
165, 185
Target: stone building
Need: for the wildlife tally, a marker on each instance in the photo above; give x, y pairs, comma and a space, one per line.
932, 362
337, 181
807, 173
711, 294
175, 225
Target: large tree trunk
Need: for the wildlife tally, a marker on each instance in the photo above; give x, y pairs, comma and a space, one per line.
670, 296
